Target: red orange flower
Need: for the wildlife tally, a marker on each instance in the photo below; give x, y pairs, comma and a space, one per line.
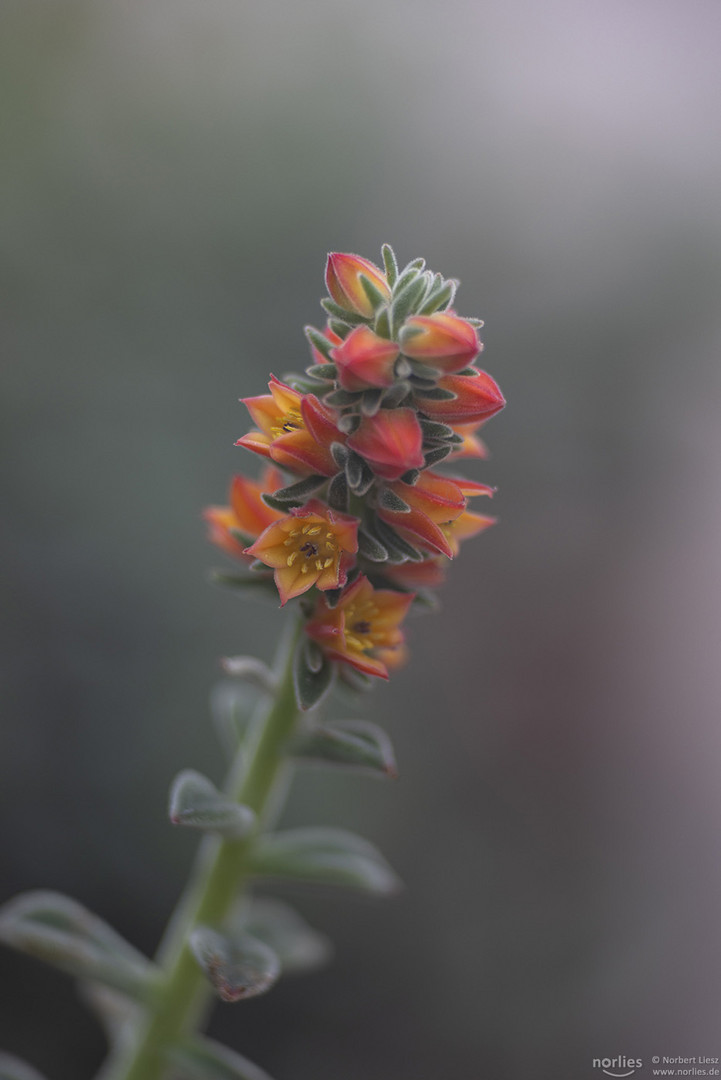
443, 340
391, 442
434, 501
477, 398
246, 514
468, 523
296, 430
365, 360
313, 545
472, 446
363, 630
342, 277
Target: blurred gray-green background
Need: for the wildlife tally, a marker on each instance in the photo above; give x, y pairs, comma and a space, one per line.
173, 174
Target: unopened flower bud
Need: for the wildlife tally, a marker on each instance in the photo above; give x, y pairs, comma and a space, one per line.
391, 442
477, 398
443, 340
365, 360
342, 278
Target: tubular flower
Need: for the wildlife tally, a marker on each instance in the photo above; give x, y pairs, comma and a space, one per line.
313, 545
467, 524
389, 395
391, 442
442, 340
363, 630
477, 397
365, 360
433, 501
247, 513
472, 446
296, 430
343, 281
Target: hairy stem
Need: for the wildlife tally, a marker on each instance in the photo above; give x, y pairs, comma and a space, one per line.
182, 1002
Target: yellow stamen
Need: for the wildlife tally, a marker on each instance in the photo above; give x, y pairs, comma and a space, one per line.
291, 558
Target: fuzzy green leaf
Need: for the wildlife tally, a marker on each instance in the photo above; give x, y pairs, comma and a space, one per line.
433, 430
205, 1059
390, 263
382, 324
437, 393
324, 373
259, 585
338, 493
310, 686
340, 398
439, 297
196, 802
356, 744
395, 395
324, 856
371, 402
320, 342
12, 1068
405, 301
354, 470
338, 312
434, 456
296, 494
390, 501
237, 967
375, 296
371, 548
296, 944
60, 931
250, 669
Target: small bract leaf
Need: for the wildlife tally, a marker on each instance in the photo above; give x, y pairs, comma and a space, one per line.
339, 313
357, 744
298, 493
196, 802
261, 585
238, 967
391, 501
375, 296
338, 493
296, 944
233, 706
324, 856
371, 548
405, 300
319, 341
54, 928
251, 670
310, 686
390, 264
204, 1059
12, 1068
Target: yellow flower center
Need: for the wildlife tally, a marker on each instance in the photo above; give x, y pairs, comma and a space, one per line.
359, 633
314, 545
292, 421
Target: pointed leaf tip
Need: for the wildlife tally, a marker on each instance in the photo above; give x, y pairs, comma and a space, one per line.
196, 802
325, 856
60, 931
356, 744
238, 967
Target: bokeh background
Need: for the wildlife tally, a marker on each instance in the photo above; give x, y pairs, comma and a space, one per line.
173, 176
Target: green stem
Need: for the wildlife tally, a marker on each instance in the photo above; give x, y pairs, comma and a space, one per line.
180, 1005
